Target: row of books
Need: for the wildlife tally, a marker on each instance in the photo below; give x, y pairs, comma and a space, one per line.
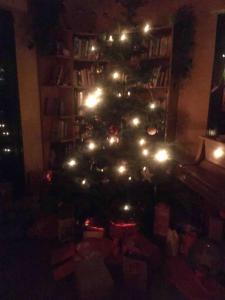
158, 47
85, 48
84, 77
159, 77
59, 75
60, 130
55, 107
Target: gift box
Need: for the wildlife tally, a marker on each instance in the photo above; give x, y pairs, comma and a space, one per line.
92, 279
135, 272
93, 230
66, 229
161, 220
119, 230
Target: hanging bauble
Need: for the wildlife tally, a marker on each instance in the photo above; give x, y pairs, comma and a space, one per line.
152, 131
113, 130
134, 62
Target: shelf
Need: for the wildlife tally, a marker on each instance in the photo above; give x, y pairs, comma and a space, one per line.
58, 86
63, 141
159, 88
157, 58
86, 34
58, 56
86, 60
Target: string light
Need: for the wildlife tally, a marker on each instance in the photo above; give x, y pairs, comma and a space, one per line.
119, 95
94, 98
161, 155
7, 150
152, 106
116, 75
123, 37
5, 133
142, 142
92, 146
218, 153
111, 39
127, 207
84, 181
223, 55
2, 125
145, 152
72, 163
93, 48
113, 140
122, 169
129, 178
144, 168
136, 121
146, 28
128, 93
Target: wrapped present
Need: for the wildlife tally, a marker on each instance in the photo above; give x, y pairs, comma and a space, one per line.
161, 219
93, 230
119, 230
92, 279
66, 229
172, 243
140, 247
135, 272
92, 247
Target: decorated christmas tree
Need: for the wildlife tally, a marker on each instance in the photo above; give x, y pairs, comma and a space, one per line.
121, 153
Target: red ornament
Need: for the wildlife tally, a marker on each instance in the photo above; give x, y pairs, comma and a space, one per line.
113, 130
152, 131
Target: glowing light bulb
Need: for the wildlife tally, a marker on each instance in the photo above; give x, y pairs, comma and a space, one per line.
84, 182
144, 168
122, 169
218, 153
2, 125
161, 155
7, 150
142, 142
92, 101
72, 163
126, 207
123, 37
91, 146
98, 92
119, 95
111, 39
145, 152
152, 106
136, 121
129, 178
113, 140
223, 55
116, 75
128, 93
146, 28
93, 48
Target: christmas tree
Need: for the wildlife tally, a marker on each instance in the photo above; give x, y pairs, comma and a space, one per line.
121, 151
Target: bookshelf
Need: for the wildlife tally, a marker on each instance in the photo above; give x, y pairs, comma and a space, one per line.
57, 100
65, 75
158, 58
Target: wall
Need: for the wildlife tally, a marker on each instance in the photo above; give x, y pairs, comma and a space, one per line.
194, 96
28, 89
20, 5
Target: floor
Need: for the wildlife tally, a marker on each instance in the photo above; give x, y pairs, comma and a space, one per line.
25, 274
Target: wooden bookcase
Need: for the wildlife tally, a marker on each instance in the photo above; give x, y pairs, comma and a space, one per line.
64, 78
159, 60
